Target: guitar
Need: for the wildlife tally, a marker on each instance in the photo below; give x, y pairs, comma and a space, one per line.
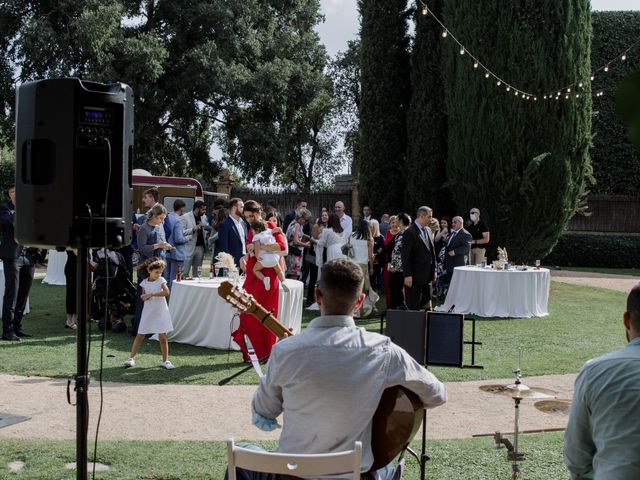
399, 413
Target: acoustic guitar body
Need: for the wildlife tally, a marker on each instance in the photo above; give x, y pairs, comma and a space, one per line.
395, 423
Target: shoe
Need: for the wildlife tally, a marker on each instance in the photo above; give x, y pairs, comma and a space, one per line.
10, 336
71, 326
21, 333
168, 365
130, 363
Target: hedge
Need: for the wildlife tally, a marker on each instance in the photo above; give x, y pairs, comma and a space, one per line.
579, 250
616, 163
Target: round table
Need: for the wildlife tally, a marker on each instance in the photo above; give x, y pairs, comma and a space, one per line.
55, 268
487, 292
200, 317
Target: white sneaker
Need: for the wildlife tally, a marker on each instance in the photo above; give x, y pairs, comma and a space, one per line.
130, 363
168, 365
267, 283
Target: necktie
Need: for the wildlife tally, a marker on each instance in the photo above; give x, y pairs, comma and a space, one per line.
451, 237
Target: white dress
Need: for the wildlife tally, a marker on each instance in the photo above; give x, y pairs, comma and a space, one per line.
155, 312
333, 242
266, 259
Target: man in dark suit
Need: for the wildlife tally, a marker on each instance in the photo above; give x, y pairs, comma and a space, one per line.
418, 261
19, 267
458, 247
232, 233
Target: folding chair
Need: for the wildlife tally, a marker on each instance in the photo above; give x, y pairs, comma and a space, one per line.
296, 465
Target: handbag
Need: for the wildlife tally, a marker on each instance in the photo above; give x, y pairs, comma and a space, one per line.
310, 257
347, 249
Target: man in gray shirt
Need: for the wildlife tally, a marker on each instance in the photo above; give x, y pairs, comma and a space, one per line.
327, 381
603, 436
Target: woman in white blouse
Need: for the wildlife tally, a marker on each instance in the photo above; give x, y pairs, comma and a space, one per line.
332, 238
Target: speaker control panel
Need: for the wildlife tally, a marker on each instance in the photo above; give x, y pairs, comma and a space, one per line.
94, 125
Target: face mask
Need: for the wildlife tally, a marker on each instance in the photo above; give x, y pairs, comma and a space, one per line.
473, 217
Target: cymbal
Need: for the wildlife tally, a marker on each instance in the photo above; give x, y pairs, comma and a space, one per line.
520, 391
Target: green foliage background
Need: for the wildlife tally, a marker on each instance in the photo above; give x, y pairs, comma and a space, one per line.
385, 99
524, 164
616, 163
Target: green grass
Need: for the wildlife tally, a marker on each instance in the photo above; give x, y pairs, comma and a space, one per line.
583, 323
634, 272
467, 459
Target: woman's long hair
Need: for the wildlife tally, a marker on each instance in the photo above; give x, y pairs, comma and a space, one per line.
334, 223
362, 232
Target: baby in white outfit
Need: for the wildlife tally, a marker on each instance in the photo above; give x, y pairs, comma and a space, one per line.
265, 259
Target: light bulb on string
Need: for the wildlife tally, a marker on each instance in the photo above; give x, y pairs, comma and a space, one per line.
623, 58
535, 99
462, 51
593, 77
606, 68
568, 90
580, 84
486, 75
577, 95
545, 97
444, 34
508, 89
516, 93
566, 97
475, 65
425, 10
498, 83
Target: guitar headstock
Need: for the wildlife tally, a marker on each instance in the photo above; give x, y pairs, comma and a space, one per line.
237, 297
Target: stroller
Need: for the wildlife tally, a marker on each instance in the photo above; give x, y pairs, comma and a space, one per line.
110, 270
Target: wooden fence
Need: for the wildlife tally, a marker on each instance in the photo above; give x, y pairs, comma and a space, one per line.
609, 214
286, 201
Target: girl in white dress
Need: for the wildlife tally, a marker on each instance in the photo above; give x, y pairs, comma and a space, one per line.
155, 312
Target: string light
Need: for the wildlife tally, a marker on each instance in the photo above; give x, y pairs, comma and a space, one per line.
584, 84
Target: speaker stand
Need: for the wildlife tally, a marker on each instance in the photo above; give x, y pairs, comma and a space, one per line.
82, 376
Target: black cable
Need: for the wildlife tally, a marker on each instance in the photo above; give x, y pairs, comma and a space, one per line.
106, 307
230, 337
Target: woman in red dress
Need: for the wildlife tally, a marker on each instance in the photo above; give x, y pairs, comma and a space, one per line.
261, 338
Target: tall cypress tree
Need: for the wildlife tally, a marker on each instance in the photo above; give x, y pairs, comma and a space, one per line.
427, 120
385, 99
524, 163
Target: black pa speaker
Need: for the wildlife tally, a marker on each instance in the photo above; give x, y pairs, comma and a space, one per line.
445, 338
74, 148
407, 329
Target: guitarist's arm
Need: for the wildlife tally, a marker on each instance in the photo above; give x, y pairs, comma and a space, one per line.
405, 371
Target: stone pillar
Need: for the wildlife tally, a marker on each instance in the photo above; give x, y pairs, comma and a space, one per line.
223, 184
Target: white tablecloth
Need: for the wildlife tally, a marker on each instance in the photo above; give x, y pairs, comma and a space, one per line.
26, 308
498, 293
55, 268
200, 317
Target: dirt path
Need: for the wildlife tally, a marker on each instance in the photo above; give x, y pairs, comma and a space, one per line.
190, 412
621, 283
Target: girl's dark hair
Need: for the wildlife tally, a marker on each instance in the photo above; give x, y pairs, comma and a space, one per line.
272, 212
334, 223
363, 232
153, 263
448, 220
258, 226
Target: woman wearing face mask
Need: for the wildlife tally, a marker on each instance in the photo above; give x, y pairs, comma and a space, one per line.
480, 236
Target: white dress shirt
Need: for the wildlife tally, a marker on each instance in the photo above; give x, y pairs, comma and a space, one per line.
239, 225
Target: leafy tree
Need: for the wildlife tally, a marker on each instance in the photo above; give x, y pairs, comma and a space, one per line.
427, 119
344, 70
385, 100
523, 163
238, 71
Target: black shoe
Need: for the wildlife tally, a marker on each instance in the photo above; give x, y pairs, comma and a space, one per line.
11, 337
22, 334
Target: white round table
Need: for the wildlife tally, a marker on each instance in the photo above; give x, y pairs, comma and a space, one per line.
200, 317
55, 268
487, 292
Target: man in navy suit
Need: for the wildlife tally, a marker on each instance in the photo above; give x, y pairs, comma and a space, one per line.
458, 247
418, 261
232, 233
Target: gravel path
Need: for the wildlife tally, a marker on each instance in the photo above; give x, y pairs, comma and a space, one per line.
193, 412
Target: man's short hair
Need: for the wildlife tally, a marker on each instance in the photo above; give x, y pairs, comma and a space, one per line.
299, 202
178, 204
152, 192
198, 204
633, 306
341, 283
424, 211
233, 202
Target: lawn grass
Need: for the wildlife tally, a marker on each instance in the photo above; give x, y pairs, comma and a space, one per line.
583, 322
467, 459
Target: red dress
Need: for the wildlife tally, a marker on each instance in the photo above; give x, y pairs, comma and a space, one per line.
261, 338
386, 274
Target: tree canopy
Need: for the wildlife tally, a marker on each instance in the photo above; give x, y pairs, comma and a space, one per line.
248, 75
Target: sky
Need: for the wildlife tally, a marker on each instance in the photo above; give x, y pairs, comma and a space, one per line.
341, 20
